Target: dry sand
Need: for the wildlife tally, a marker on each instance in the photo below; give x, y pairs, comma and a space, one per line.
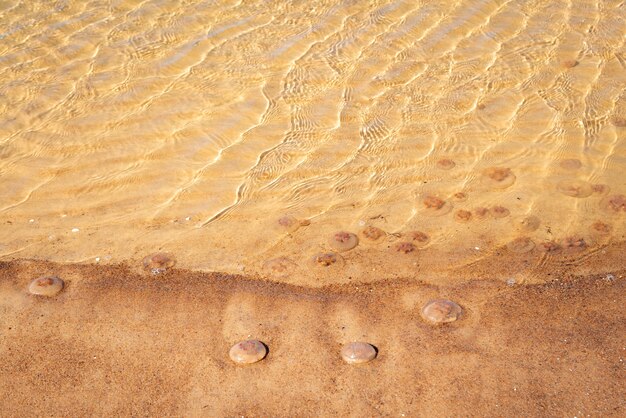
116, 342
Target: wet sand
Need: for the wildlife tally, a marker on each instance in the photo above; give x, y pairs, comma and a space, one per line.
117, 341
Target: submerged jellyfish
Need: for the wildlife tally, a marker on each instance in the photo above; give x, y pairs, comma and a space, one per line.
571, 164
404, 247
441, 311
372, 233
499, 212
358, 352
343, 241
462, 215
446, 164
498, 177
601, 227
574, 243
549, 247
418, 238
247, 352
46, 286
435, 206
614, 204
327, 259
521, 245
574, 188
290, 223
279, 267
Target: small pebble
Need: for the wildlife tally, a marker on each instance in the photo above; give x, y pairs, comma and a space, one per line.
441, 311
247, 352
46, 286
75, 229
358, 352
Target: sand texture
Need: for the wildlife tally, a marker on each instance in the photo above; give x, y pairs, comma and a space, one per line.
118, 343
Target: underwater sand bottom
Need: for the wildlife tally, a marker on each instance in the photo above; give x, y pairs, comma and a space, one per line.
117, 342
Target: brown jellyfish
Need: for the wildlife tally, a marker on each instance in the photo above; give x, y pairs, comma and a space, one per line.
498, 177
600, 189
619, 122
574, 243
289, 224
462, 215
358, 353
327, 259
499, 212
371, 233
441, 311
279, 267
614, 203
481, 212
159, 262
460, 196
569, 63
601, 228
521, 245
248, 352
571, 164
418, 238
549, 247
343, 241
446, 164
46, 286
404, 247
574, 188
435, 206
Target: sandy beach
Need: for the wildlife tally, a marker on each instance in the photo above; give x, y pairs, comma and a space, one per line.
118, 343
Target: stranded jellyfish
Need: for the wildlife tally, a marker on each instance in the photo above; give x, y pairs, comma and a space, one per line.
358, 352
462, 215
418, 238
404, 247
435, 206
446, 164
46, 286
574, 188
571, 164
327, 259
574, 243
247, 352
521, 245
614, 203
371, 233
290, 223
158, 263
279, 267
441, 311
499, 212
498, 177
343, 241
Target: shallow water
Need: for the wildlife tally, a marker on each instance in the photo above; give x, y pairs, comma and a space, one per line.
128, 128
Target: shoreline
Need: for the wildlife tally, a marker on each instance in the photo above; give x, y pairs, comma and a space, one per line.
159, 344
